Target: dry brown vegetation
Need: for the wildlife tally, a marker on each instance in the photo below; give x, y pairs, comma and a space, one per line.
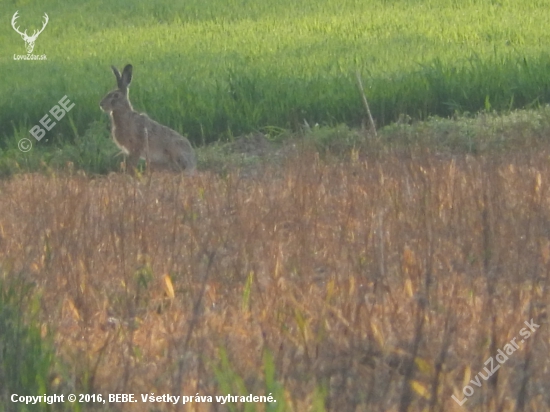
378, 283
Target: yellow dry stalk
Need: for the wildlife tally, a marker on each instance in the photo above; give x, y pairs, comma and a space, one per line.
420, 389
70, 306
169, 287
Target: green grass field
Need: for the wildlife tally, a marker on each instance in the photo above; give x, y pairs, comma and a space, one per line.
213, 69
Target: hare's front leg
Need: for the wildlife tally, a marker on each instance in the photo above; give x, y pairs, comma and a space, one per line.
132, 162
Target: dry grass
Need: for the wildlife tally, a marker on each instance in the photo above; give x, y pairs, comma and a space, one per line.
359, 276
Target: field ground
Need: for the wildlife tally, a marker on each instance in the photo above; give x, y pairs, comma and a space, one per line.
344, 278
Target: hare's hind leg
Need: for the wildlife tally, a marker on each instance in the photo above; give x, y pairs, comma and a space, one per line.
159, 166
184, 157
187, 162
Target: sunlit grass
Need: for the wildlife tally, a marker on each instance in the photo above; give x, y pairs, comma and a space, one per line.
388, 272
213, 69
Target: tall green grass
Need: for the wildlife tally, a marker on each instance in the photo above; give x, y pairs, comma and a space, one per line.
26, 359
213, 68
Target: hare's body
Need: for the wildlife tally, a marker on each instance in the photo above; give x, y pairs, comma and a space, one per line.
138, 136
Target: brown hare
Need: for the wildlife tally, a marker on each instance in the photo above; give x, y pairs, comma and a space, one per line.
138, 136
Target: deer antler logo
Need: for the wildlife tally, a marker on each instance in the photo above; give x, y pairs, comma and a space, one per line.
29, 40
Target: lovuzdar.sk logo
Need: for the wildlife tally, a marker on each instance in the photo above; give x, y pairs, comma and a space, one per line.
29, 39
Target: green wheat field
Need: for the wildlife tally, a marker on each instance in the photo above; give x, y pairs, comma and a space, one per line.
214, 69
311, 261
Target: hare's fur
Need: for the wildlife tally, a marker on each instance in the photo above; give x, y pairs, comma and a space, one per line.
138, 136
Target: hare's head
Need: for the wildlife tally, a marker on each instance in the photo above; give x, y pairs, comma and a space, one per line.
118, 99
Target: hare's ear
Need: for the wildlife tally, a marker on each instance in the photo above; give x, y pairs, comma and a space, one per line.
118, 77
127, 75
